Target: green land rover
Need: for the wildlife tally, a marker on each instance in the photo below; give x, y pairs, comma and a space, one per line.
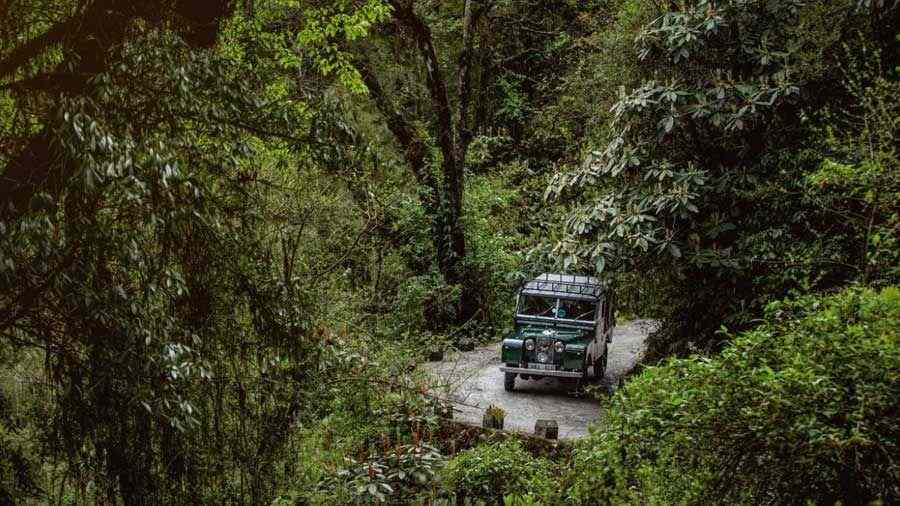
563, 324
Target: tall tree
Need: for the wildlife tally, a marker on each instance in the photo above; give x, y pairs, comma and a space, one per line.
132, 256
442, 197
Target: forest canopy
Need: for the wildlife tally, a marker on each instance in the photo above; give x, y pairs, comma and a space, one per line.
232, 230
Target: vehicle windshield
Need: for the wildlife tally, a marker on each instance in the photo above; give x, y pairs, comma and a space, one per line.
582, 310
569, 309
537, 306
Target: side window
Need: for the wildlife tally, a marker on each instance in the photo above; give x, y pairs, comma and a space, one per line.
537, 306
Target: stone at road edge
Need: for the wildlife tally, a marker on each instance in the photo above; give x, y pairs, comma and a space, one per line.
546, 429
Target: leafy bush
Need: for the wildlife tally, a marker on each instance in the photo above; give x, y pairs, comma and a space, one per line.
496, 470
804, 407
426, 303
397, 474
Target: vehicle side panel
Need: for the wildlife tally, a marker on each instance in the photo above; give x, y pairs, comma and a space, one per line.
573, 357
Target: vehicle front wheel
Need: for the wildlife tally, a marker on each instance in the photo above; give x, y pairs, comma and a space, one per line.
600, 368
509, 381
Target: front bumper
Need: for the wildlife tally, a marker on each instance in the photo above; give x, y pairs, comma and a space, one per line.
542, 372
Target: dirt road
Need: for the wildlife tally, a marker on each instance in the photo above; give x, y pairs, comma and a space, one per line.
473, 381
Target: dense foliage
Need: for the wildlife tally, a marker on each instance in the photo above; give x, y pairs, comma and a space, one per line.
230, 231
139, 279
804, 407
720, 172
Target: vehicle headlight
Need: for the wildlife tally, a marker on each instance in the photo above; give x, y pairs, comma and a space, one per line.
559, 347
529, 345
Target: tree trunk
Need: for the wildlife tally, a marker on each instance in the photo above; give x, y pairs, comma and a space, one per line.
456, 184
414, 150
449, 261
453, 142
442, 199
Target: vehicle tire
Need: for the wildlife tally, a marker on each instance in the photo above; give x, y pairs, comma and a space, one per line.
600, 368
509, 381
580, 383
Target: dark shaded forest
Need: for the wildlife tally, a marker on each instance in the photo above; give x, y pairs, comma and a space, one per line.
231, 231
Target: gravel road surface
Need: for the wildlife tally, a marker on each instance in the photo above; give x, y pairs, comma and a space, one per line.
473, 381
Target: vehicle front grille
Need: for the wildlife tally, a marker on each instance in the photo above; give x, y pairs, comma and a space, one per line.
544, 348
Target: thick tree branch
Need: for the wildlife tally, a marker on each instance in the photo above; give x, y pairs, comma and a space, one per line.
463, 80
421, 35
90, 37
474, 9
414, 148
35, 47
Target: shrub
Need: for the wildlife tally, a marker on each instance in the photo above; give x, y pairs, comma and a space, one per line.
497, 470
396, 475
804, 407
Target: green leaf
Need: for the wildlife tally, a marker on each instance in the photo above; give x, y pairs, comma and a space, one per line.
600, 264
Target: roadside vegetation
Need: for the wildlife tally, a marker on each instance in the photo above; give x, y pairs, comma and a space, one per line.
803, 407
230, 231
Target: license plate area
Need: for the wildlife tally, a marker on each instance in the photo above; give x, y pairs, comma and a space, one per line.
543, 367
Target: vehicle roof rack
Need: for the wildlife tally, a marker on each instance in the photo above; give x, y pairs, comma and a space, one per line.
568, 285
